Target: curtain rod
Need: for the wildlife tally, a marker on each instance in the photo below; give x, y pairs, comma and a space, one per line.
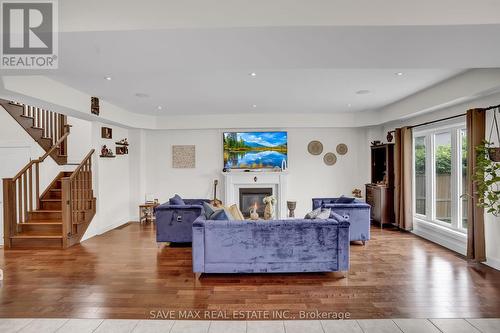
452, 117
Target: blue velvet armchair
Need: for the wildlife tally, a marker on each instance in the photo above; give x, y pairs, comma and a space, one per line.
174, 221
356, 212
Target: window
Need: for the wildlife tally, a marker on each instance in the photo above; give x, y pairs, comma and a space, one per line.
420, 181
439, 174
443, 178
463, 177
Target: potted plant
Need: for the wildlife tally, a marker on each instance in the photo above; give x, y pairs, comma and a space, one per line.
487, 179
494, 152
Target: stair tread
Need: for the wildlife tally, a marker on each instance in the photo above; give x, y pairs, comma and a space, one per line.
47, 211
42, 223
25, 116
37, 128
51, 199
30, 234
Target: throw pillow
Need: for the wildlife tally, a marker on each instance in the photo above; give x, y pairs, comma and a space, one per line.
176, 200
209, 209
236, 212
324, 214
221, 215
345, 200
313, 214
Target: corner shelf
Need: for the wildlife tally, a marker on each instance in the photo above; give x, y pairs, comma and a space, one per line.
104, 156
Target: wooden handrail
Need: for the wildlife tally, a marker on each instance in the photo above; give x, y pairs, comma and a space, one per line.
42, 158
79, 167
23, 170
54, 147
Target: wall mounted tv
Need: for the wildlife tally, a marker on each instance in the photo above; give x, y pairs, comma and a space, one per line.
255, 150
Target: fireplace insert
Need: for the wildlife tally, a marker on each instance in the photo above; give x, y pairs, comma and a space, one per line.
251, 197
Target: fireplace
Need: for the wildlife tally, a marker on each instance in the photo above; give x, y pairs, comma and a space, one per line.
249, 197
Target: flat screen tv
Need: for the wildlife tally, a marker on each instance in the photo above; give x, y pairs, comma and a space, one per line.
255, 150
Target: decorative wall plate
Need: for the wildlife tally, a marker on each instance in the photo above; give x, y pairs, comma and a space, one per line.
315, 147
342, 149
330, 159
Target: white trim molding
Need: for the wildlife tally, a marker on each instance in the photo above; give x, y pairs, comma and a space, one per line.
235, 180
493, 262
443, 236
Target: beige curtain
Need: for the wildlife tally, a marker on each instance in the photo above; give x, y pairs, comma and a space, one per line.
403, 157
476, 130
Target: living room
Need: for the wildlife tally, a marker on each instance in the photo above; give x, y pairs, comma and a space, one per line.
239, 103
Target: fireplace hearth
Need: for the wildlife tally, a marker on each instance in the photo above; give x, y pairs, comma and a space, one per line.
250, 197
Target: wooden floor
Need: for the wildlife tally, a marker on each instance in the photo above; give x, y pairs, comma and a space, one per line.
121, 274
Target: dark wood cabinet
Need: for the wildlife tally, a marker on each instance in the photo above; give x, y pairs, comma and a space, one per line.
380, 192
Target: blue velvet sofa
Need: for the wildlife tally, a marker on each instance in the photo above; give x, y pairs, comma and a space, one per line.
270, 246
356, 212
174, 221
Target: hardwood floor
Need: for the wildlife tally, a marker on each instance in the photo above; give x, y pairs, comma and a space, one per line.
121, 274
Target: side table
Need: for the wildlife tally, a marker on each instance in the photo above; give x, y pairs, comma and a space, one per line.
146, 212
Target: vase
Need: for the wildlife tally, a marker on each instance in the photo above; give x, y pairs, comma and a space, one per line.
253, 213
269, 211
291, 205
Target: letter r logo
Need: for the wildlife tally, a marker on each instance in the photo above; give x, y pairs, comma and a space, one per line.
27, 27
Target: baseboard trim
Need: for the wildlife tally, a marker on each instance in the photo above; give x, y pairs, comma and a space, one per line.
105, 229
493, 263
436, 234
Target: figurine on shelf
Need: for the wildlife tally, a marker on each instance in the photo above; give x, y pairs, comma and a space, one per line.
123, 142
110, 153
104, 150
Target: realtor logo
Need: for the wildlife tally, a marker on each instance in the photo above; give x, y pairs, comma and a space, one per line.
29, 34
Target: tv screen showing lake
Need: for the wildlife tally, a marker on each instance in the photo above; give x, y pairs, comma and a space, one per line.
254, 150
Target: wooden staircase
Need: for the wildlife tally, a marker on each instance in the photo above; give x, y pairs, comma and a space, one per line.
60, 215
45, 127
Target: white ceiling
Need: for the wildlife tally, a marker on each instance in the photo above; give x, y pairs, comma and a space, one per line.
113, 15
278, 91
193, 57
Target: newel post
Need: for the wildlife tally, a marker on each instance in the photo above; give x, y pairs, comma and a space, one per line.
66, 211
9, 211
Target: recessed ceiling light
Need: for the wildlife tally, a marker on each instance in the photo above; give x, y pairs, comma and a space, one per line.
363, 92
108, 78
399, 73
253, 74
349, 105
159, 107
254, 105
141, 95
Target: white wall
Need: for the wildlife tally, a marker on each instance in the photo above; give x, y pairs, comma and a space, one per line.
308, 176
112, 178
79, 140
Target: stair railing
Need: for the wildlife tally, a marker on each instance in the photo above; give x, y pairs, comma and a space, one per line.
21, 194
53, 125
78, 201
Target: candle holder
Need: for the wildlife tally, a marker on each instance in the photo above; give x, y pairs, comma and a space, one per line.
291, 205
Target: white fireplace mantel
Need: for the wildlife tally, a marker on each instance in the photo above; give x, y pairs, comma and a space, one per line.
235, 180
